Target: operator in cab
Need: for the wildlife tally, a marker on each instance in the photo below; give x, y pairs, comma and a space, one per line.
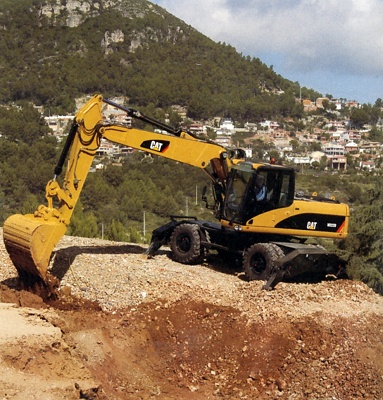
260, 188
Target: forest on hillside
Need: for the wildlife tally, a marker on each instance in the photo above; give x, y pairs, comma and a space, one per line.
157, 61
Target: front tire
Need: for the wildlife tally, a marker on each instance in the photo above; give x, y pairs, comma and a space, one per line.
259, 260
185, 244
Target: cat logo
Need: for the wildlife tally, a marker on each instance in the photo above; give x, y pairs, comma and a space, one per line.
155, 146
312, 225
159, 146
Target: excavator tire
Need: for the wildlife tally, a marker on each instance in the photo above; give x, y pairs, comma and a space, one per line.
185, 244
258, 261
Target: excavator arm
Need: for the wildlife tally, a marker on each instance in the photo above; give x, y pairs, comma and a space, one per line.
31, 238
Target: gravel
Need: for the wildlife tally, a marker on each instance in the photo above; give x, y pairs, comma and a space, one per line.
118, 275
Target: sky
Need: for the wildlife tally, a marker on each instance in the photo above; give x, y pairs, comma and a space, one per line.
332, 46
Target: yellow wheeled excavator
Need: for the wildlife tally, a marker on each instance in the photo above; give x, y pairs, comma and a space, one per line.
260, 219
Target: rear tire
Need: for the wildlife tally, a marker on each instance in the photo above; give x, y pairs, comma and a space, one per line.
185, 244
259, 260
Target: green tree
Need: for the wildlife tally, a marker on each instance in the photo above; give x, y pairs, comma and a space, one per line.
328, 106
294, 144
83, 224
315, 146
363, 245
376, 135
116, 231
323, 163
134, 235
96, 192
359, 117
113, 175
375, 115
22, 123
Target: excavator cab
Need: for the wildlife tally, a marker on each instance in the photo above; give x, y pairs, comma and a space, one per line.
253, 189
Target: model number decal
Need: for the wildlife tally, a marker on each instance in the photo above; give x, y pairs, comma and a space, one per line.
312, 225
156, 145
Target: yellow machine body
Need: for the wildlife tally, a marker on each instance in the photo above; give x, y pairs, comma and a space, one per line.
243, 221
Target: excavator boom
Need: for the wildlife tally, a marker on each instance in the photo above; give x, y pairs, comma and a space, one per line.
31, 238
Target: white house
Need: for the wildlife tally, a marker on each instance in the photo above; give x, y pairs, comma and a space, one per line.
333, 149
226, 127
269, 125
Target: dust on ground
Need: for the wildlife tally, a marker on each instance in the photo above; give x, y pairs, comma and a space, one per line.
128, 327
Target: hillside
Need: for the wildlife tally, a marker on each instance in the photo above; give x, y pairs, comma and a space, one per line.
53, 52
128, 327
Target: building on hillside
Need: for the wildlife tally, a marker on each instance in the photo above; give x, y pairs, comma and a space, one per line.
300, 160
308, 105
351, 147
224, 141
352, 104
286, 151
126, 150
248, 152
118, 116
337, 125
181, 111
352, 135
338, 162
278, 134
333, 149
40, 109
316, 156
106, 148
319, 101
196, 128
370, 147
338, 103
226, 127
367, 165
250, 126
269, 125
335, 136
58, 123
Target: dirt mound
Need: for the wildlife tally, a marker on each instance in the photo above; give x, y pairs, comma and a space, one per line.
125, 327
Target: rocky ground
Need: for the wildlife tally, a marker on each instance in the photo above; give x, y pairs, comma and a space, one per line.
128, 327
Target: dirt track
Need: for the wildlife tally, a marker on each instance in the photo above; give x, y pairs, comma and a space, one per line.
125, 327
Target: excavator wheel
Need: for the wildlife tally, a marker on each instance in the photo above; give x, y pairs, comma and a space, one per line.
185, 244
258, 261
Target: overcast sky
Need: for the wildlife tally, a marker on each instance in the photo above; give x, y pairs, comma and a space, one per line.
332, 46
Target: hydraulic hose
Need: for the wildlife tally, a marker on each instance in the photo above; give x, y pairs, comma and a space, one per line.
65, 151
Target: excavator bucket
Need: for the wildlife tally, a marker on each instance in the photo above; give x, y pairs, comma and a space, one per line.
30, 241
